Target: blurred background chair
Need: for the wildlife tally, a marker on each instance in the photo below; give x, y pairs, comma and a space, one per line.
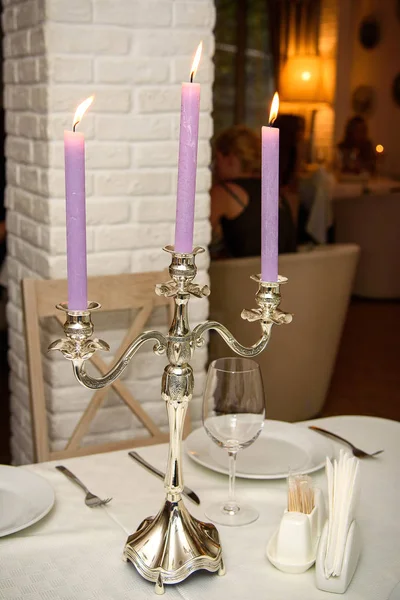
298, 363
372, 221
115, 293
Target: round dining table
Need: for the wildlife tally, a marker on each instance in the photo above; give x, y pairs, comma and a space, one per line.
75, 552
319, 187
374, 185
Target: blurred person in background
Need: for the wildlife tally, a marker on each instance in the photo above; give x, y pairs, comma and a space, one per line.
3, 248
236, 194
2, 192
357, 154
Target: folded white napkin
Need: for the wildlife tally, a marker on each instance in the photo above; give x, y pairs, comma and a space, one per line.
343, 491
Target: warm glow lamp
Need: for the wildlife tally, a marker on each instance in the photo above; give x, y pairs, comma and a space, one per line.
305, 79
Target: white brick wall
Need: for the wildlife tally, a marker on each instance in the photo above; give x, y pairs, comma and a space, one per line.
132, 54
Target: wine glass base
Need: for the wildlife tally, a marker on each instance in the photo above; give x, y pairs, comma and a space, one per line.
245, 515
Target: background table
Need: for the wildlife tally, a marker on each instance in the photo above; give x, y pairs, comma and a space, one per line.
374, 185
319, 187
75, 552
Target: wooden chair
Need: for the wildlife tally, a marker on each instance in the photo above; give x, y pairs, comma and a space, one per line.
114, 292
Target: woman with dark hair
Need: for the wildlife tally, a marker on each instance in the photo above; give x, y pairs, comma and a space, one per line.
356, 149
236, 197
291, 134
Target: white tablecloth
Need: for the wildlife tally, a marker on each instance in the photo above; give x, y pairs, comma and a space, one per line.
75, 552
319, 188
375, 185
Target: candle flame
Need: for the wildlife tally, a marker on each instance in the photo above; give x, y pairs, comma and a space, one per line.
274, 108
379, 148
196, 61
80, 111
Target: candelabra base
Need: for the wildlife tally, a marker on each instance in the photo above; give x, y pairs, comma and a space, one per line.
169, 547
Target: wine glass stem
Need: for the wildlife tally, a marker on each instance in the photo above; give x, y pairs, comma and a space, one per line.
232, 507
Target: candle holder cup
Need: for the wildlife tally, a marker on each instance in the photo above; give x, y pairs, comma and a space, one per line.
78, 327
168, 547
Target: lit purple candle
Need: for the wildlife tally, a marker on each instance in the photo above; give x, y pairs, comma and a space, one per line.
187, 167
74, 153
270, 197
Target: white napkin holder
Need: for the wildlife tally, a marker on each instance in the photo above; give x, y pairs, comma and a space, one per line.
339, 585
293, 547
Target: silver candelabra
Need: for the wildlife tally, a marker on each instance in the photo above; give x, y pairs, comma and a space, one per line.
170, 546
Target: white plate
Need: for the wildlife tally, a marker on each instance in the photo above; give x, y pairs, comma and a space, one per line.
25, 498
395, 595
280, 448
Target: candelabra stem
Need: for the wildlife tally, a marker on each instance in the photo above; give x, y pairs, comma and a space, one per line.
168, 547
176, 411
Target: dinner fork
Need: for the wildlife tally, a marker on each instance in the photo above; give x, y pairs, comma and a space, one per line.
356, 451
91, 500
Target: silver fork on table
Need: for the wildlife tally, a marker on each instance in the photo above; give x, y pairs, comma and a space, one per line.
91, 500
356, 451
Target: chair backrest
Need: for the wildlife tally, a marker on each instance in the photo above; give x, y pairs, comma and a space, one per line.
298, 362
114, 292
372, 222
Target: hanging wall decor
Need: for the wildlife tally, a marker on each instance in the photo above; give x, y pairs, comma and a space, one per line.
369, 33
363, 100
396, 89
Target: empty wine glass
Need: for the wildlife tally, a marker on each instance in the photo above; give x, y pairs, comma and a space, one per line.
233, 417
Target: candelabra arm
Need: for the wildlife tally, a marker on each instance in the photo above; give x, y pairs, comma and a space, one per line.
268, 298
230, 340
96, 383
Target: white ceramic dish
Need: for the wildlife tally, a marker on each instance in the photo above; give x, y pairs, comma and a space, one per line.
280, 448
25, 498
287, 567
293, 546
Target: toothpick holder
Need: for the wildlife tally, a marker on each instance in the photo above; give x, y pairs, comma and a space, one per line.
293, 547
338, 585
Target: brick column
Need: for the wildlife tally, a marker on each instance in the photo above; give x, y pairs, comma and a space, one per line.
132, 54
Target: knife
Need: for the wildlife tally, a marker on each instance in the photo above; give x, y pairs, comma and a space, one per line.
186, 491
